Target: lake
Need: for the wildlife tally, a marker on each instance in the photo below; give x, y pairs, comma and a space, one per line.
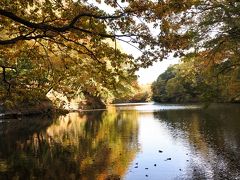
127, 141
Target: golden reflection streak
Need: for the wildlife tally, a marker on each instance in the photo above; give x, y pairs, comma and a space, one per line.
109, 145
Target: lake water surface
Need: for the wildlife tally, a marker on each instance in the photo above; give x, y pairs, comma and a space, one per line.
127, 141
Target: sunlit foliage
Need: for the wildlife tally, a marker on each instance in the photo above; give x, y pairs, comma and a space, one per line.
192, 81
71, 46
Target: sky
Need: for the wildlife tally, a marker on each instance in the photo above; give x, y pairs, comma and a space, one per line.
150, 74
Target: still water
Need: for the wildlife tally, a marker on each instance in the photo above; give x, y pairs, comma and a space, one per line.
128, 141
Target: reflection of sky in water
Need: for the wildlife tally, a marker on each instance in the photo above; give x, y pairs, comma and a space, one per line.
151, 107
202, 144
154, 107
154, 136
190, 149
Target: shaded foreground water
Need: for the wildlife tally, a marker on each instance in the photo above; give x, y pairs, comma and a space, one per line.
131, 141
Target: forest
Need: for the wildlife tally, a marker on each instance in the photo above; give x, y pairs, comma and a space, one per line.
72, 48
185, 82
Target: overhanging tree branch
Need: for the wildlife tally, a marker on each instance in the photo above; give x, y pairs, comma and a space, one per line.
91, 54
45, 28
21, 37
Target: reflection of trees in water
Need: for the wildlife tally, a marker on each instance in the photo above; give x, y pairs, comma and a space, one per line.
91, 146
17, 137
213, 133
16, 133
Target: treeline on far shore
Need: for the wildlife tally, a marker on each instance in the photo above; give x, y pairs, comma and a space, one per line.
193, 80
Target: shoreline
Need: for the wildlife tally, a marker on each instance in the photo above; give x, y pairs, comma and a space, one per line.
50, 110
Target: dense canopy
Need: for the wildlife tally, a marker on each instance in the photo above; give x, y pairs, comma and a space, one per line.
73, 46
209, 69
